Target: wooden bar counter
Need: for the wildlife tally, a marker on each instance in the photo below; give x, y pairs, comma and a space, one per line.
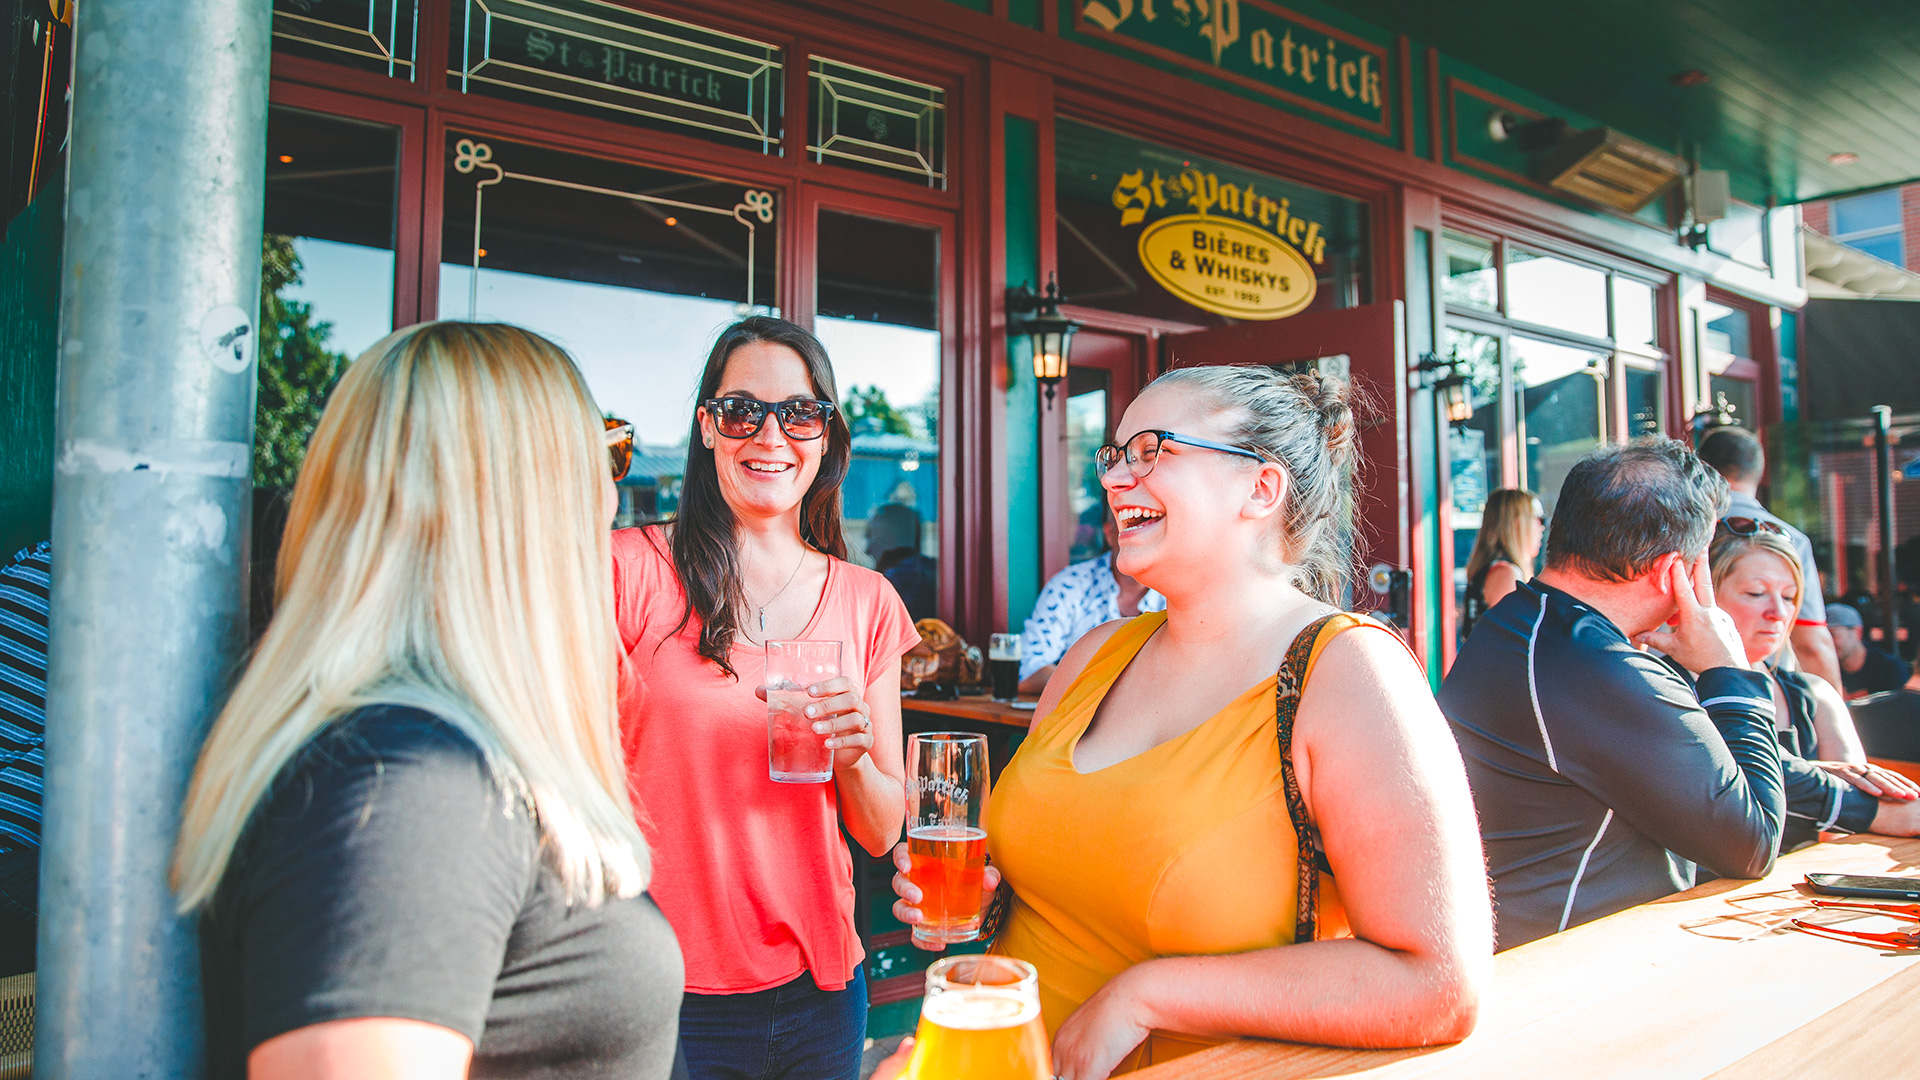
1710, 982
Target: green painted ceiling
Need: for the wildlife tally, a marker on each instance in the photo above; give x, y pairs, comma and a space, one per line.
1790, 81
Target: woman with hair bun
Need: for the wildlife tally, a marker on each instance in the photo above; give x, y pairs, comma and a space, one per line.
1198, 780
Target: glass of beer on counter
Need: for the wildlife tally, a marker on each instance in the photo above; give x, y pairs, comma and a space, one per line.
981, 1021
946, 796
1003, 663
796, 754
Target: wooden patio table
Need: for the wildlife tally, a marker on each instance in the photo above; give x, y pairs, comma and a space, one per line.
976, 707
1710, 982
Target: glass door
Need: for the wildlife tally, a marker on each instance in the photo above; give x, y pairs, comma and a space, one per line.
882, 286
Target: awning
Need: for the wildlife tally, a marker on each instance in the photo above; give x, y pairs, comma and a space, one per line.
1838, 272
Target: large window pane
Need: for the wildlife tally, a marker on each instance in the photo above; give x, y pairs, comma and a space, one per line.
878, 297
1862, 213
634, 289
1885, 246
1558, 402
1553, 292
1634, 319
1727, 336
327, 272
1472, 278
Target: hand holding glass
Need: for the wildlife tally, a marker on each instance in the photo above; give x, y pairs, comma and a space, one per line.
796, 754
946, 845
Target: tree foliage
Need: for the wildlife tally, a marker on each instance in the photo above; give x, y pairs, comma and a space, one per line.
297, 370
870, 413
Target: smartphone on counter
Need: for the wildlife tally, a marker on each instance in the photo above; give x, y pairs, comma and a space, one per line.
1870, 886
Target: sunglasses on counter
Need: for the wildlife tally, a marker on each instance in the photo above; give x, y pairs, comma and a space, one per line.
619, 446
1746, 526
737, 417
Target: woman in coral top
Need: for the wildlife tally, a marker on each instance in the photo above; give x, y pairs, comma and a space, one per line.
753, 874
1154, 828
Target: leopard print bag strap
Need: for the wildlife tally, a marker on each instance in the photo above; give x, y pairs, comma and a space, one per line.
1312, 861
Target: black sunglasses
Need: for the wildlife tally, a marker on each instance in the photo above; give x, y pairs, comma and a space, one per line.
802, 419
1746, 526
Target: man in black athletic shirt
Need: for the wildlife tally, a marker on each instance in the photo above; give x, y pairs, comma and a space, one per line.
1601, 778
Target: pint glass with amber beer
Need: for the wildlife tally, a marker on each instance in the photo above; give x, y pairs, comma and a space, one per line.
981, 1021
946, 794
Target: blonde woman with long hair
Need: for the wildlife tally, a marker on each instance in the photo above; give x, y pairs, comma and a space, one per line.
409, 834
1511, 526
1831, 787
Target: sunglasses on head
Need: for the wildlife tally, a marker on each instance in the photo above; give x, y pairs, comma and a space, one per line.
619, 445
739, 417
1746, 526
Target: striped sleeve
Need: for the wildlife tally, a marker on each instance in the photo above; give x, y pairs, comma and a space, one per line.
25, 588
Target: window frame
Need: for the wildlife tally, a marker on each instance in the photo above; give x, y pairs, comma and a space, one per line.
1897, 229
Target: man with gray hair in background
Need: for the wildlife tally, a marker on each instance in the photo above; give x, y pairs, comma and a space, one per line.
1736, 454
1601, 777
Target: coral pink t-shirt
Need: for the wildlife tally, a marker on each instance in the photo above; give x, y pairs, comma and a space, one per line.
753, 875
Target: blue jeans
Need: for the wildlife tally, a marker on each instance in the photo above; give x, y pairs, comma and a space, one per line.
795, 1031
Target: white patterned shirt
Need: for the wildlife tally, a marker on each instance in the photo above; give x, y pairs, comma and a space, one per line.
1078, 599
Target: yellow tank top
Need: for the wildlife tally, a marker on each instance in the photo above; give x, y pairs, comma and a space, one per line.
1183, 849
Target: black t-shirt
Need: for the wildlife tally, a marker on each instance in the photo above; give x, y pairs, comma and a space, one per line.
1881, 671
388, 874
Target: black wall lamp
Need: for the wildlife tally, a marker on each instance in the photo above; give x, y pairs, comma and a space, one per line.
1050, 332
1451, 388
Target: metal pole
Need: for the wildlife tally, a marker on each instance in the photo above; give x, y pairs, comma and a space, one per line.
1883, 480
166, 187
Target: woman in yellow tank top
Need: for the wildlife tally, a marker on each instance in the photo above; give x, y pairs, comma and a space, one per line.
1144, 825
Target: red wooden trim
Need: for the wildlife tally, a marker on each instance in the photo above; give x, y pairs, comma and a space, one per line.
1436, 131
897, 988
999, 9
408, 124
1384, 126
1403, 49
968, 575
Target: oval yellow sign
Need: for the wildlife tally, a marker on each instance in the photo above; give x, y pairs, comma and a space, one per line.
1227, 267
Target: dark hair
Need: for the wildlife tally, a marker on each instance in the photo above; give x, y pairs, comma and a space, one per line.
704, 556
1304, 421
1622, 507
1734, 453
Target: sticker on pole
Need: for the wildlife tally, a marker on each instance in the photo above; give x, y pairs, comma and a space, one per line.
226, 337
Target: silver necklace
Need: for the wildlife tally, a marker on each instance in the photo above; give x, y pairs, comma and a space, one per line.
783, 589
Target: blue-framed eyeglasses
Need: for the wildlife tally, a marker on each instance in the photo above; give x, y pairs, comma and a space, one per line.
1142, 451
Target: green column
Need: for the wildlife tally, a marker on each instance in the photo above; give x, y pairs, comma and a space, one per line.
1022, 432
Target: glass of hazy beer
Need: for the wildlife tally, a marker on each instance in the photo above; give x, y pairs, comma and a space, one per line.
981, 1021
946, 795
